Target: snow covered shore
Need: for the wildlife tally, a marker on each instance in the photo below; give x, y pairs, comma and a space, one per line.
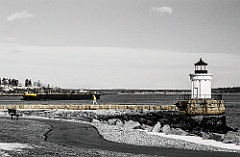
199, 140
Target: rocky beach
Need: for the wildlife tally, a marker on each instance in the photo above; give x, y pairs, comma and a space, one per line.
132, 132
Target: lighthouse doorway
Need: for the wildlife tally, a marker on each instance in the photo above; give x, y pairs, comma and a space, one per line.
195, 93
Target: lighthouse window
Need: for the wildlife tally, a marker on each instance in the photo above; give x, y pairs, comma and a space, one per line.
202, 67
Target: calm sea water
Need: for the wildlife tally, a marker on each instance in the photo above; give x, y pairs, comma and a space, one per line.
232, 105
232, 102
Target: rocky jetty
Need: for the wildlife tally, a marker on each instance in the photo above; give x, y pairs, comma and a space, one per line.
120, 134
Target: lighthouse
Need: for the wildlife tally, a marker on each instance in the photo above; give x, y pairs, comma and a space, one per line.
201, 81
201, 101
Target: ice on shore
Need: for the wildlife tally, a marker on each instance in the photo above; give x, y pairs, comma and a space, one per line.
198, 140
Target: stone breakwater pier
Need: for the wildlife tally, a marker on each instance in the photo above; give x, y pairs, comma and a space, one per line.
188, 107
93, 107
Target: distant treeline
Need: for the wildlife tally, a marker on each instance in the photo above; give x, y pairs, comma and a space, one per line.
164, 91
9, 82
226, 90
140, 91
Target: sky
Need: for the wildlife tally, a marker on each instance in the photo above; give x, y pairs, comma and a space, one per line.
127, 44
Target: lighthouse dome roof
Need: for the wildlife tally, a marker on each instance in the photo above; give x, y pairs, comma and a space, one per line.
200, 62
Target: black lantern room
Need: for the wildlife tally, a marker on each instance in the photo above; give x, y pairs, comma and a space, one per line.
201, 67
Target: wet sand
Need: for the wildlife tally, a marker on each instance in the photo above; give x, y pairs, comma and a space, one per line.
86, 136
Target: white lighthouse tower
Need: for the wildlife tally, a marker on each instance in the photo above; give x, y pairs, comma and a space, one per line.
201, 81
201, 102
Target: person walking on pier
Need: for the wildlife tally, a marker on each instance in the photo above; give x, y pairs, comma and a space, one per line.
94, 100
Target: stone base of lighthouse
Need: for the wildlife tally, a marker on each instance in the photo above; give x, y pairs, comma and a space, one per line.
201, 107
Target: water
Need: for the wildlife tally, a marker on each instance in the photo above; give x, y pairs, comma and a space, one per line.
232, 105
232, 102
136, 99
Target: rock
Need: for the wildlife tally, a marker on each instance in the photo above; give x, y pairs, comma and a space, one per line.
231, 137
139, 127
147, 127
119, 122
156, 127
150, 122
217, 137
142, 120
112, 121
96, 121
205, 135
166, 128
178, 131
85, 114
115, 121
131, 124
104, 122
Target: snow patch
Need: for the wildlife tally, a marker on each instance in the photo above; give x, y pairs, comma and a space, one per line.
14, 146
198, 140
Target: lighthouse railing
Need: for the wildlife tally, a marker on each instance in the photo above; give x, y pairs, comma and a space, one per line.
215, 96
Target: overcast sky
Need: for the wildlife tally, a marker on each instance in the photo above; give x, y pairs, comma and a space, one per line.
133, 44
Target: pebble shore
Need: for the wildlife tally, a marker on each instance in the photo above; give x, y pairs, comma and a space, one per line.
119, 134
